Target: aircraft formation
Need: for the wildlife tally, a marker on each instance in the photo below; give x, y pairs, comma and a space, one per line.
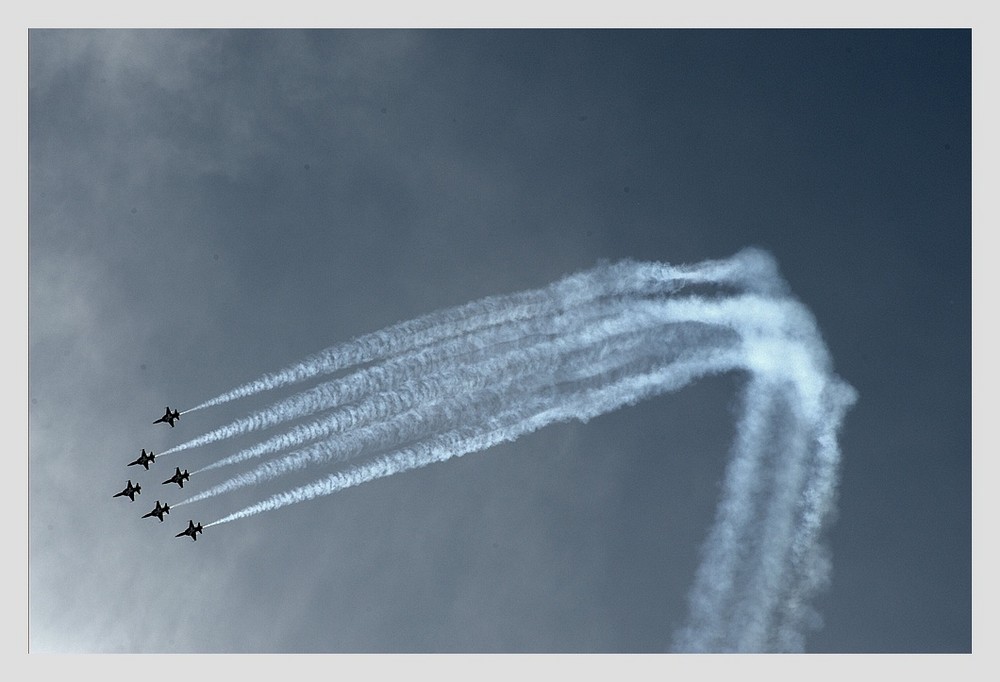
144, 460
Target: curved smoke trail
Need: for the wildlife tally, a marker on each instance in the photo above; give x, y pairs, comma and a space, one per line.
467, 378
751, 269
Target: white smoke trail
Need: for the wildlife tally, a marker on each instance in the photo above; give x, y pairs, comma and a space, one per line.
762, 559
506, 425
474, 407
519, 364
484, 343
756, 318
750, 269
468, 378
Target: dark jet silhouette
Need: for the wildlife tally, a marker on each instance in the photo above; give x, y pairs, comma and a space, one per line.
178, 477
144, 459
191, 530
169, 417
158, 512
130, 490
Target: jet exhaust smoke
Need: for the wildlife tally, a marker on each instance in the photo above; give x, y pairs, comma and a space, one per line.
464, 379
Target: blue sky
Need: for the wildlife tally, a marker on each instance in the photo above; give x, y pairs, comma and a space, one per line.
206, 206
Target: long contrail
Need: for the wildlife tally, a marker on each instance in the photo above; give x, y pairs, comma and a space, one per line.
649, 330
486, 343
467, 378
503, 425
476, 404
750, 269
522, 365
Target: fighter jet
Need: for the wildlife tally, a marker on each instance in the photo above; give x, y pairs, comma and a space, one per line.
178, 477
191, 530
144, 459
130, 490
169, 417
158, 512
